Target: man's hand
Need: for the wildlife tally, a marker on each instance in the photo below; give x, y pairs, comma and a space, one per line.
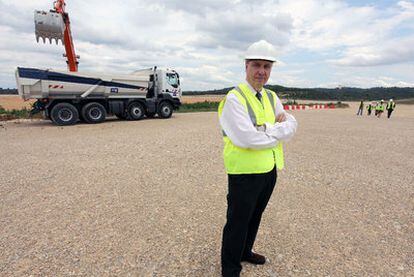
281, 117
261, 128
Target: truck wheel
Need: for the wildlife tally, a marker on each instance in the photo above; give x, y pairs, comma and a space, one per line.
64, 114
135, 111
93, 113
165, 109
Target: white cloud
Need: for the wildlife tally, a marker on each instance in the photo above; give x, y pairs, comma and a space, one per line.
408, 5
205, 39
209, 77
401, 51
368, 82
322, 27
229, 29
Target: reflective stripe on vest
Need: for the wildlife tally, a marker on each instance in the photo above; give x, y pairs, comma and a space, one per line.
272, 100
249, 161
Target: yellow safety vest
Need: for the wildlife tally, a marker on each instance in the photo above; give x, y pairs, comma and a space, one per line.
390, 105
239, 160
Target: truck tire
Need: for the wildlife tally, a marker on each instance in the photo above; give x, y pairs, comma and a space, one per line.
93, 113
165, 109
136, 111
64, 114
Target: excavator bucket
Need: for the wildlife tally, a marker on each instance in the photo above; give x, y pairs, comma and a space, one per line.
49, 25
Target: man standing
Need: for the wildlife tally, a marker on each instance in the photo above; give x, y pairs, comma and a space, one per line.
380, 109
369, 108
254, 124
390, 107
361, 108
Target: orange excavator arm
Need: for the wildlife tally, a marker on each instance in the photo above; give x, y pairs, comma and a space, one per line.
56, 25
72, 59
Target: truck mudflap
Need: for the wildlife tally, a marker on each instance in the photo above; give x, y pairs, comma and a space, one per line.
38, 106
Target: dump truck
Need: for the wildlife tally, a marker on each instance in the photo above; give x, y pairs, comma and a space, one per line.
67, 97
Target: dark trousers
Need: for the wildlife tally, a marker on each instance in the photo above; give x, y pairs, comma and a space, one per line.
389, 113
247, 198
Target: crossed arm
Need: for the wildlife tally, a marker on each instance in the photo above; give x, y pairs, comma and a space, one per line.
237, 125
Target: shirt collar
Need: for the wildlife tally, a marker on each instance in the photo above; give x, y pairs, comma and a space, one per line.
252, 89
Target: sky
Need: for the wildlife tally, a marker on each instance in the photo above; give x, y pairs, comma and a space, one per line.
318, 43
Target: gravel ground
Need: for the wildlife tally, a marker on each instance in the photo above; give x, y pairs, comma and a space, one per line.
148, 198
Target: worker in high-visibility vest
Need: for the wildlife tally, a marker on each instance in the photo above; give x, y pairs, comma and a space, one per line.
380, 109
361, 108
390, 107
369, 108
254, 125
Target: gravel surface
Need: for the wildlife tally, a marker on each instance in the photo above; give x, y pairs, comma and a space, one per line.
148, 198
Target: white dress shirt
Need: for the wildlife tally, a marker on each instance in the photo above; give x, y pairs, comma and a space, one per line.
236, 123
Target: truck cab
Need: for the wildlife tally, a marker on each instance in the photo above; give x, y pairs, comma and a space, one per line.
171, 83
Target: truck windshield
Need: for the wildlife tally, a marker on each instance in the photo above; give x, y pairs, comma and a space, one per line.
172, 79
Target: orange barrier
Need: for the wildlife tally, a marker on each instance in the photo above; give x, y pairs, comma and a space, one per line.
310, 107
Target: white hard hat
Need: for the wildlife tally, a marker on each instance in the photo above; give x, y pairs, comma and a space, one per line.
391, 99
261, 50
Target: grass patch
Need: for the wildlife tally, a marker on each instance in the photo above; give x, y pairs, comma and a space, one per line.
13, 114
205, 106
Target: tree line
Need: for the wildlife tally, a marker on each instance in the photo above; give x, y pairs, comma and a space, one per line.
338, 94
8, 91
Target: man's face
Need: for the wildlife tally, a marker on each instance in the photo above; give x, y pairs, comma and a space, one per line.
258, 72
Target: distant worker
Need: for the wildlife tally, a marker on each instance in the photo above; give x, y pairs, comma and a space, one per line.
254, 125
361, 108
369, 108
390, 107
380, 108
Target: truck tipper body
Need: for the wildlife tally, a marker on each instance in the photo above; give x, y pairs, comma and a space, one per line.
67, 97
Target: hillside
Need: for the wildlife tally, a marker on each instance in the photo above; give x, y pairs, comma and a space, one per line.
342, 94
